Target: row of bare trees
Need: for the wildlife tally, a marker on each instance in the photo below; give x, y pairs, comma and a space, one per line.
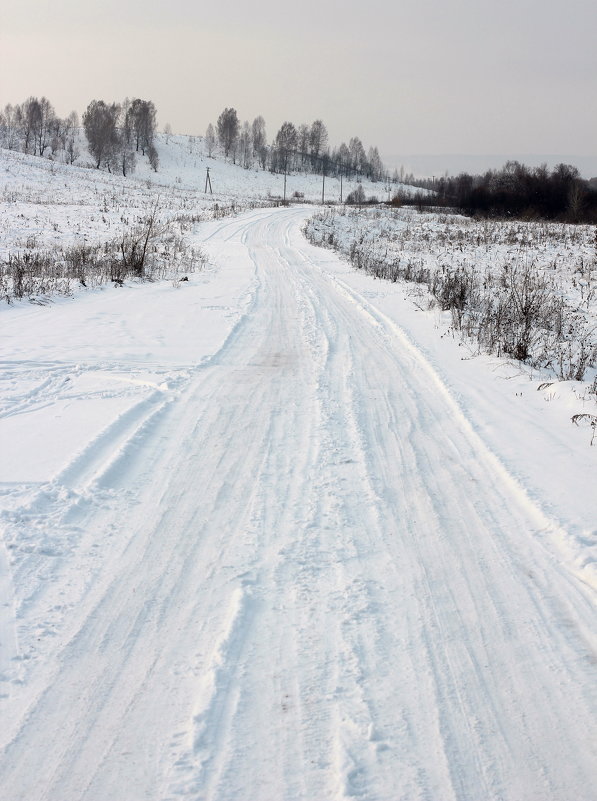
115, 132
34, 127
303, 148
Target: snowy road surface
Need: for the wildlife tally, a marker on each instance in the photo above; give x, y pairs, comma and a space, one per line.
311, 581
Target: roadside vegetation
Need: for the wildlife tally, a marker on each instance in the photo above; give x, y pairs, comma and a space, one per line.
524, 290
148, 247
147, 250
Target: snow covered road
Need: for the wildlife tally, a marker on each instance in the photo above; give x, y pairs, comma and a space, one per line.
312, 580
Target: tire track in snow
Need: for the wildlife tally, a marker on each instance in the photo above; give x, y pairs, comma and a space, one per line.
9, 651
323, 590
361, 735
586, 572
505, 558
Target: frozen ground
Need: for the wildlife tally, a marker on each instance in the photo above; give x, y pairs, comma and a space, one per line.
267, 536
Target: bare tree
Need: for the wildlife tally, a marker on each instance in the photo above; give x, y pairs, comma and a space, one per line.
285, 147
154, 160
343, 158
30, 116
72, 150
100, 123
143, 123
245, 145
10, 126
35, 124
69, 129
228, 127
47, 117
210, 140
148, 126
318, 140
304, 136
135, 243
358, 159
259, 141
376, 168
126, 158
258, 135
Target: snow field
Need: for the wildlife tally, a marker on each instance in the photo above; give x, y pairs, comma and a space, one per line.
46, 204
266, 535
80, 386
296, 572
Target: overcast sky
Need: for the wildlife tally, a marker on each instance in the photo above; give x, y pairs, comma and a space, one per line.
411, 76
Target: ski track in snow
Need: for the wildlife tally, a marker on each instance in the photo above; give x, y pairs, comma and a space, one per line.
312, 580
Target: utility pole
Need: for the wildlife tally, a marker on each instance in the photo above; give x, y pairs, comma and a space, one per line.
208, 182
340, 186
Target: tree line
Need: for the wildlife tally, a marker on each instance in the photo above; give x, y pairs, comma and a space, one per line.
115, 132
34, 127
302, 148
515, 191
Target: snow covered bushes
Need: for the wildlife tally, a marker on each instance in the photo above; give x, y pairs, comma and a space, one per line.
148, 250
520, 313
524, 290
356, 197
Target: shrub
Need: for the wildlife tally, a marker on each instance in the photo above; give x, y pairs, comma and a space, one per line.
356, 197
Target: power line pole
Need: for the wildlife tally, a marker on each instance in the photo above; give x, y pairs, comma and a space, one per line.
208, 182
324, 164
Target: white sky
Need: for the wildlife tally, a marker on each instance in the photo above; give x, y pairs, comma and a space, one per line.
411, 76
